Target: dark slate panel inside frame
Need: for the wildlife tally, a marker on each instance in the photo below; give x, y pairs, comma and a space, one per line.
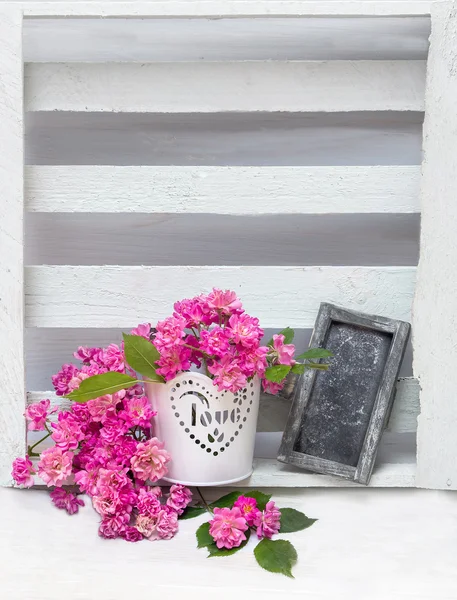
339, 410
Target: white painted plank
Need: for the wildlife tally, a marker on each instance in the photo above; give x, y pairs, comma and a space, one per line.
435, 332
250, 86
272, 408
269, 473
279, 296
229, 139
259, 190
389, 545
225, 8
12, 399
185, 39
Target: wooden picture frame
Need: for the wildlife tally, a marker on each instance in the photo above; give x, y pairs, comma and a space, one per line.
317, 425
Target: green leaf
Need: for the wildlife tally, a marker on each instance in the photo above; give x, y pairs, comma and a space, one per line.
204, 538
261, 498
294, 520
215, 551
288, 334
277, 556
315, 353
142, 356
277, 373
192, 511
99, 385
226, 501
299, 368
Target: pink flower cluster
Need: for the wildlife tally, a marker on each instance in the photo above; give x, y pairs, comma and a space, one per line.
106, 445
228, 526
213, 330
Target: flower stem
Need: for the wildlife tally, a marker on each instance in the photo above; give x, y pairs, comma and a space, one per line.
30, 448
204, 501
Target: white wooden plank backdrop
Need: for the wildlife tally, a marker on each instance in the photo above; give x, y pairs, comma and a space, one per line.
435, 317
12, 378
119, 296
249, 86
355, 124
193, 190
225, 8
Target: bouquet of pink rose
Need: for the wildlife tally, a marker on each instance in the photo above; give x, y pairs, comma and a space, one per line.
104, 442
209, 332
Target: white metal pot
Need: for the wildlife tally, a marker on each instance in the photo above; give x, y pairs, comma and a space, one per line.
209, 434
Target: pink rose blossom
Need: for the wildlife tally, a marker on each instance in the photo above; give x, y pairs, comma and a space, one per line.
87, 481
249, 510
113, 478
66, 500
228, 375
112, 358
55, 466
215, 342
255, 362
268, 522
37, 415
150, 460
148, 502
107, 501
85, 354
193, 311
179, 498
245, 330
271, 387
146, 524
172, 361
166, 524
67, 432
284, 353
225, 302
143, 330
113, 527
99, 407
132, 534
137, 411
169, 333
227, 528
61, 380
23, 471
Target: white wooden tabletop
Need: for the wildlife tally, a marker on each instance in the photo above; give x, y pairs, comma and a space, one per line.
367, 544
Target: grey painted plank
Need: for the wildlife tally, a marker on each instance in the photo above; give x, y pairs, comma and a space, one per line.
281, 139
94, 239
179, 39
47, 349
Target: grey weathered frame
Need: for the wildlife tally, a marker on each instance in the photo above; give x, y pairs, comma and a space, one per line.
382, 406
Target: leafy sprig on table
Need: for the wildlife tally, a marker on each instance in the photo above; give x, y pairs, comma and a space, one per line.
276, 556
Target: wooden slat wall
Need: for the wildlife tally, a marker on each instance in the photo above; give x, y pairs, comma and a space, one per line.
384, 95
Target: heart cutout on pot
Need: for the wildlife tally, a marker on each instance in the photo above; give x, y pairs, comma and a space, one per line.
213, 420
